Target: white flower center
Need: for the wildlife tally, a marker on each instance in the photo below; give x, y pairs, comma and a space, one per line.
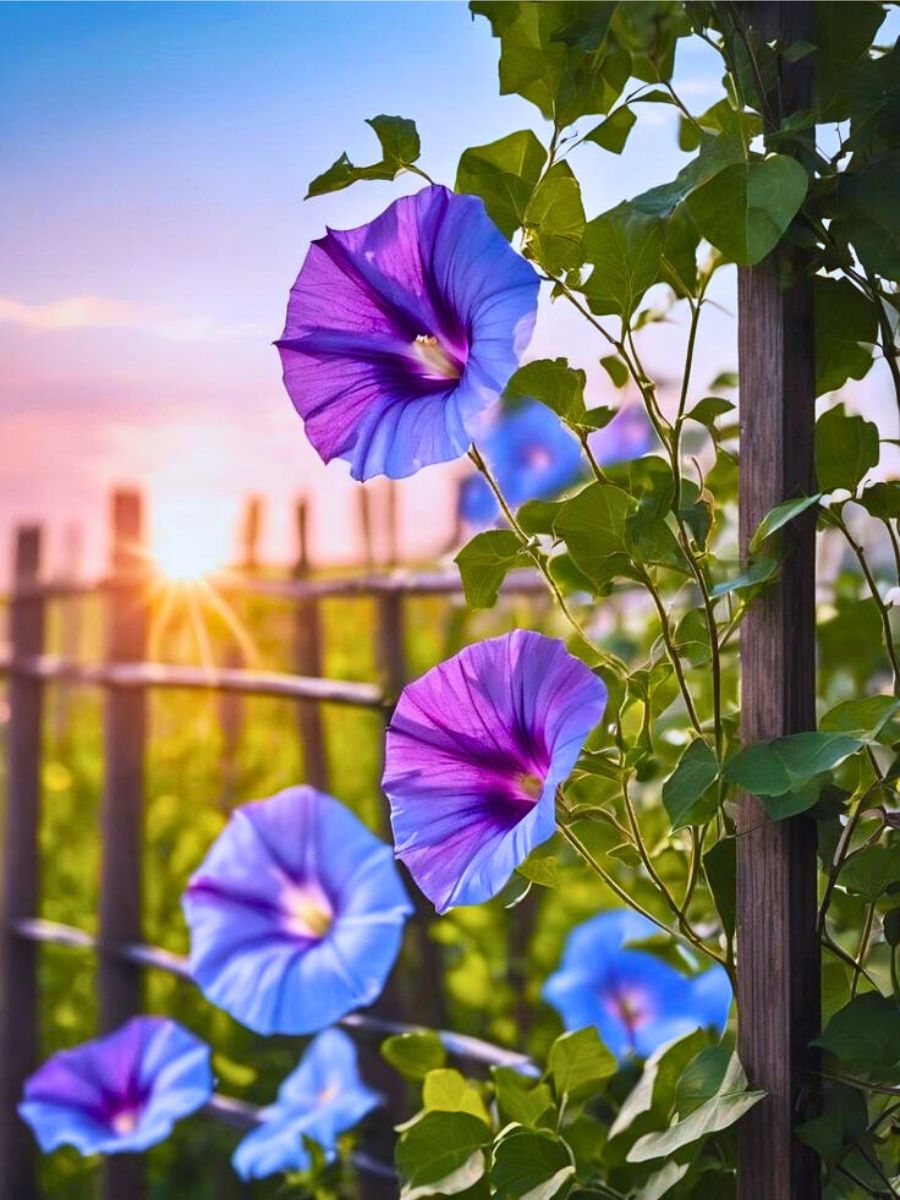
432, 355
307, 912
126, 1121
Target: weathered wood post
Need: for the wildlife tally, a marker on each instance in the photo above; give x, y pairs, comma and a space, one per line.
365, 526
251, 533
70, 617
21, 875
123, 801
308, 661
778, 949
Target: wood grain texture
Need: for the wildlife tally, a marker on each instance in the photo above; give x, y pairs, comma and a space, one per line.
119, 981
778, 950
21, 876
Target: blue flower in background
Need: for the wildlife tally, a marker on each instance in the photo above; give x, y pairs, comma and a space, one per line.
636, 1001
120, 1093
296, 915
533, 457
628, 435
322, 1098
402, 333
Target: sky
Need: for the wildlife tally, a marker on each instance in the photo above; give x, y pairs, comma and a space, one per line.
153, 161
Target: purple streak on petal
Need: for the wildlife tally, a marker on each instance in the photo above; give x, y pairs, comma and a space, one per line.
431, 266
475, 751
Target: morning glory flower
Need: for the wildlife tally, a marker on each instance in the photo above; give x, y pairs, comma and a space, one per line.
296, 915
533, 457
636, 1001
121, 1093
321, 1099
628, 435
401, 333
475, 752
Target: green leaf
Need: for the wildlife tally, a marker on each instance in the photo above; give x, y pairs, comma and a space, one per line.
882, 499
554, 383
612, 134
730, 1102
846, 330
702, 1078
579, 1063
484, 563
592, 524
653, 1097
504, 174
688, 794
871, 871
541, 867
716, 153
863, 718
554, 221
780, 516
441, 1155
865, 1034
846, 448
788, 766
414, 1054
709, 409
745, 209
521, 1099
615, 369
841, 1123
400, 148
842, 33
531, 1165
760, 572
720, 864
661, 1182
625, 247
445, 1090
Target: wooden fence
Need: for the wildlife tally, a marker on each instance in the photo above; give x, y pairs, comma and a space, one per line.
126, 679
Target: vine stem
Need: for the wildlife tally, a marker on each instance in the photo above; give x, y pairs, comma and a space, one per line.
541, 563
859, 550
616, 888
675, 658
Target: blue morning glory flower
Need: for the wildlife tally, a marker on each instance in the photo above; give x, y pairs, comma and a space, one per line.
321, 1099
636, 1001
628, 435
296, 915
121, 1093
533, 457
402, 333
475, 752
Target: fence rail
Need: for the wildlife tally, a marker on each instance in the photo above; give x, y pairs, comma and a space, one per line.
126, 679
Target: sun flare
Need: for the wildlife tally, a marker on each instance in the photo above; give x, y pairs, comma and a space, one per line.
184, 556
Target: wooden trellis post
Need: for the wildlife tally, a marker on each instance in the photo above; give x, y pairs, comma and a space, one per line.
21, 874
123, 802
778, 949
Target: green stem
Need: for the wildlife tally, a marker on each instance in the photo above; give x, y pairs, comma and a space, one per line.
862, 948
599, 473
883, 611
670, 648
540, 562
888, 349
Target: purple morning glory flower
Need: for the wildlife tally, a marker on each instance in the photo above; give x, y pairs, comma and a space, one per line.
296, 915
121, 1093
475, 752
533, 456
401, 333
321, 1099
636, 1001
628, 435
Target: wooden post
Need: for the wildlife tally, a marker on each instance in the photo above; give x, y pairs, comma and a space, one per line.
778, 949
393, 523
251, 531
21, 877
123, 803
365, 527
308, 661
70, 614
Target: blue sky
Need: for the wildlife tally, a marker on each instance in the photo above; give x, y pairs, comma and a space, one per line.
154, 159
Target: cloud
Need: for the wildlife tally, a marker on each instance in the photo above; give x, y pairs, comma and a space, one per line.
102, 312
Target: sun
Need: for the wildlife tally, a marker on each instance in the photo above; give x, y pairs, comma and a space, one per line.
182, 555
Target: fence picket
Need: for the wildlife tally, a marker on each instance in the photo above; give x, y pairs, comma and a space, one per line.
19, 996
123, 803
308, 661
